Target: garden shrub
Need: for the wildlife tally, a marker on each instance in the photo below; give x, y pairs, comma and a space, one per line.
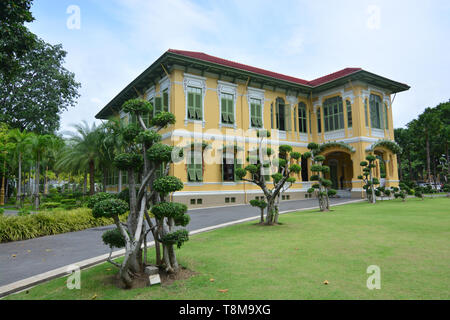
16, 228
97, 198
50, 205
2, 211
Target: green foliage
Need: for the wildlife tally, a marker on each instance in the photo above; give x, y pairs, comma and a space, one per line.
125, 161
113, 238
178, 237
307, 155
240, 173
148, 137
137, 106
42, 88
277, 177
332, 192
23, 212
295, 168
109, 208
314, 177
258, 203
329, 145
295, 155
160, 153
388, 144
325, 169
326, 183
311, 190
284, 149
363, 163
17, 228
92, 200
2, 211
313, 146
131, 132
169, 210
319, 158
291, 180
316, 168
125, 195
253, 169
370, 158
50, 205
279, 162
167, 184
163, 119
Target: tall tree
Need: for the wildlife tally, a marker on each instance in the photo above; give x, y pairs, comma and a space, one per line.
40, 91
21, 140
15, 39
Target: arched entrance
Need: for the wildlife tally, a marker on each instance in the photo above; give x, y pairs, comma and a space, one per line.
341, 170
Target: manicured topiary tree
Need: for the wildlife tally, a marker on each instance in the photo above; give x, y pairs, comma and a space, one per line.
322, 187
142, 155
368, 179
261, 204
261, 160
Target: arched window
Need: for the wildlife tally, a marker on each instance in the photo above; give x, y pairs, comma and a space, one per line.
333, 114
349, 114
376, 112
302, 117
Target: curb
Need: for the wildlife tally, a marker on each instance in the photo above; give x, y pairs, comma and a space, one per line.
27, 283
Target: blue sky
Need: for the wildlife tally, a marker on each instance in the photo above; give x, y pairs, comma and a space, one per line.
407, 41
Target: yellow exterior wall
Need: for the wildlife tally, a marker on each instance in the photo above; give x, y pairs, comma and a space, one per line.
214, 190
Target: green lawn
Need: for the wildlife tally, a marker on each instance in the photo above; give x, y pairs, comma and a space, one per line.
408, 241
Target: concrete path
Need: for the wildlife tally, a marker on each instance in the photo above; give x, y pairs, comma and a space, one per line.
24, 259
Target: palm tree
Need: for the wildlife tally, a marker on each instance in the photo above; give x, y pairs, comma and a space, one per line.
39, 144
82, 151
20, 139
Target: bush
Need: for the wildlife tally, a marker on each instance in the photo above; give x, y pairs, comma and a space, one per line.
114, 239
97, 198
2, 211
16, 228
109, 208
23, 212
50, 205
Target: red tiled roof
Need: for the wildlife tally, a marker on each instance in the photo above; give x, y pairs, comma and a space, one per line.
232, 64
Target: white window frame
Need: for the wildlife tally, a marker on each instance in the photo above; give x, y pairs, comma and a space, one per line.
227, 88
194, 81
254, 93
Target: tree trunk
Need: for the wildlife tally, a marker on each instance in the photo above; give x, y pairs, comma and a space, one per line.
85, 183
104, 180
19, 184
91, 177
36, 184
262, 216
428, 157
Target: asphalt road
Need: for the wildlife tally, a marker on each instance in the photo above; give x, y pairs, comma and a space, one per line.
23, 259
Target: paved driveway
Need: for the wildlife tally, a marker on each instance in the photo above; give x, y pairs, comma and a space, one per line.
22, 259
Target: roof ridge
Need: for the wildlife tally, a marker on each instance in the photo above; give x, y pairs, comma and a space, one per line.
210, 58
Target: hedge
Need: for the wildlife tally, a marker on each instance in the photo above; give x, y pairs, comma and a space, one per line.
16, 228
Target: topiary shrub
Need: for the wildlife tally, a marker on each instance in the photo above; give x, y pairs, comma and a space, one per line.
113, 238
167, 184
172, 210
110, 208
50, 205
178, 237
92, 200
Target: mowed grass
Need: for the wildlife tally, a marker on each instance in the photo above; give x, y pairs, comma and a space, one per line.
409, 241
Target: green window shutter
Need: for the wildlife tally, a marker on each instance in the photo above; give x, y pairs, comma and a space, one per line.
224, 113
386, 116
287, 116
191, 107
253, 114
230, 111
158, 105
199, 172
166, 100
259, 115
191, 172
366, 112
198, 106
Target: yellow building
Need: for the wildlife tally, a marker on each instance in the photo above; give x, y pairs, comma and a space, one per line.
219, 105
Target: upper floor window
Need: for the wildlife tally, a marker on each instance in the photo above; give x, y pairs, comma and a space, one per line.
194, 101
227, 108
349, 114
302, 117
282, 115
319, 122
366, 113
333, 114
376, 112
256, 113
